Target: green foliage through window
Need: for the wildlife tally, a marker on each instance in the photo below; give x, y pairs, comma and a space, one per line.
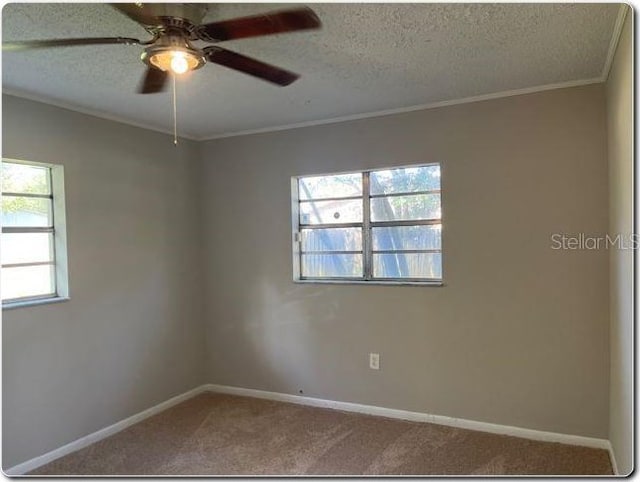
391, 222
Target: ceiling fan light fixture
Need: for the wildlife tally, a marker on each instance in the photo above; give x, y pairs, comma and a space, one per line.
173, 53
176, 61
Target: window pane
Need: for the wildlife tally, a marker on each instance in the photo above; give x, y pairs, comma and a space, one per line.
319, 187
26, 211
331, 265
331, 212
416, 206
26, 247
24, 178
332, 239
28, 281
407, 265
406, 237
410, 179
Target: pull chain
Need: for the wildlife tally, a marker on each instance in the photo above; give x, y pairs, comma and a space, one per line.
175, 113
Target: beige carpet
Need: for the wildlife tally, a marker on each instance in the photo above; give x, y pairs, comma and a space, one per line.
214, 434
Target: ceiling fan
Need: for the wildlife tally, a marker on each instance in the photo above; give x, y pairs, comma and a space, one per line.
175, 26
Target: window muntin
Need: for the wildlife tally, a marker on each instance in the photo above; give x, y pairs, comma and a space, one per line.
33, 254
373, 226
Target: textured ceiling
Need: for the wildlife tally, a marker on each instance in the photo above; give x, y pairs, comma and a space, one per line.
367, 58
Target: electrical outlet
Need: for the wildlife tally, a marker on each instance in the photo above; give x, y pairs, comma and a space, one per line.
374, 361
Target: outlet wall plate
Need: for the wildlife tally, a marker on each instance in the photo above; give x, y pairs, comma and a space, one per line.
374, 361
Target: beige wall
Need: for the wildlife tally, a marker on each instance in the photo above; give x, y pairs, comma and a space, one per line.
519, 334
619, 91
131, 335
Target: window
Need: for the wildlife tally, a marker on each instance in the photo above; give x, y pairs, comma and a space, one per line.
379, 226
33, 233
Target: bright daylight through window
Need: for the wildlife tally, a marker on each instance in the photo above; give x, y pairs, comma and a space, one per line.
33, 233
376, 226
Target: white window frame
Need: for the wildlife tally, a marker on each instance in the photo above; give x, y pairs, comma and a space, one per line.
367, 224
59, 231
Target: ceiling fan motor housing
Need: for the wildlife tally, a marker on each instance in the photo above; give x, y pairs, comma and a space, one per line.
193, 13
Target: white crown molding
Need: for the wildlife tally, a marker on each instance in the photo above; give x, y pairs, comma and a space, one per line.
94, 113
526, 433
412, 108
94, 437
613, 43
298, 125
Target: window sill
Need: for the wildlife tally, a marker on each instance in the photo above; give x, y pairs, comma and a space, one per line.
377, 283
43, 301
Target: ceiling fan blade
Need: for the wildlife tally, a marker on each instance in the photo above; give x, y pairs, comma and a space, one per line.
66, 42
254, 26
154, 81
250, 66
138, 12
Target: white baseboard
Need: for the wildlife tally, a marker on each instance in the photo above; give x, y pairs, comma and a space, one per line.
417, 417
612, 458
527, 433
82, 442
